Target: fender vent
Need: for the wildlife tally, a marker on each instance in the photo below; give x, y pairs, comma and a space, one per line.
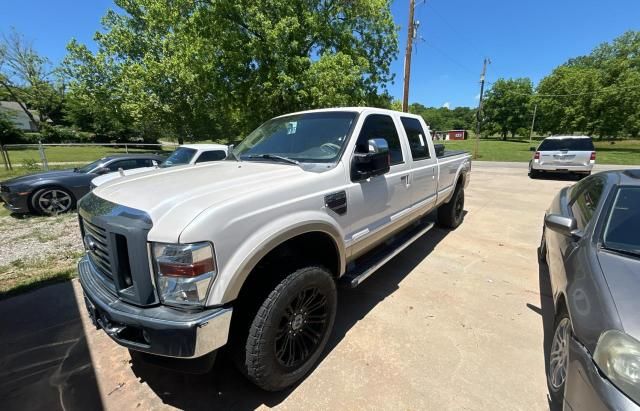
337, 202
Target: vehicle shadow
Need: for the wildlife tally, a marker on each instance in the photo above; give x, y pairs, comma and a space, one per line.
547, 175
45, 362
547, 312
225, 388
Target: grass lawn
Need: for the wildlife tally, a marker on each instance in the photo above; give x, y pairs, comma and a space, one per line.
623, 152
85, 154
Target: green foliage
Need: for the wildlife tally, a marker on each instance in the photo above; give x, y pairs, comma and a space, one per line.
442, 118
31, 165
215, 70
29, 78
597, 94
507, 107
8, 132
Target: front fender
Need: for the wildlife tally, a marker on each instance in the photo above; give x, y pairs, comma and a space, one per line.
239, 265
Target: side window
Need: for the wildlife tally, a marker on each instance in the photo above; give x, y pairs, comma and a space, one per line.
211, 156
417, 138
144, 162
123, 164
380, 126
586, 202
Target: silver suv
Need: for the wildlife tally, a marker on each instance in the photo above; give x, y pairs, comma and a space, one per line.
569, 154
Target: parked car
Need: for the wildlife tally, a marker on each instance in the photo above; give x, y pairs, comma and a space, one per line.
311, 199
567, 154
185, 154
56, 192
591, 242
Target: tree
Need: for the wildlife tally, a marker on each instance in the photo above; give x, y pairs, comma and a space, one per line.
507, 106
597, 94
29, 79
442, 118
217, 69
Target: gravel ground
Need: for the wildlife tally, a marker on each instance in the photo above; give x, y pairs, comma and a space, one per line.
30, 238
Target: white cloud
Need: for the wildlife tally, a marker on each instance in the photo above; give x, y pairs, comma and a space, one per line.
446, 104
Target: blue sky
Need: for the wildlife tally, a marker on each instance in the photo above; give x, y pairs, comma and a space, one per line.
522, 38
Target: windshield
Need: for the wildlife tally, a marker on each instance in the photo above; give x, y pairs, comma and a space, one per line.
311, 138
623, 225
91, 166
181, 155
568, 144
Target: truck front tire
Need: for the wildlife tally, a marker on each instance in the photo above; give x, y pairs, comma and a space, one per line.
451, 214
291, 329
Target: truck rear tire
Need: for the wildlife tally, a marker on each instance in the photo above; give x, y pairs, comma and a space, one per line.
451, 214
291, 329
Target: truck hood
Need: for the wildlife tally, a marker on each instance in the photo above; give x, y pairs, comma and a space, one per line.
174, 196
623, 278
98, 181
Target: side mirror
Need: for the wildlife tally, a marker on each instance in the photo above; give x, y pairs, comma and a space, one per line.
102, 170
532, 148
564, 225
374, 163
439, 149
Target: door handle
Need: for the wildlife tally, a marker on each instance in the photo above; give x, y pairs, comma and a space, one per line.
405, 179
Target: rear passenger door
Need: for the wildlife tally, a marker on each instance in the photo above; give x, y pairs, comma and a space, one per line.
423, 163
381, 201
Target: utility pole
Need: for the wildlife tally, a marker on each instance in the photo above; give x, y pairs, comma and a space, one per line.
407, 57
533, 122
479, 113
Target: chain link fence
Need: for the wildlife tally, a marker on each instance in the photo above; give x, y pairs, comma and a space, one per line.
45, 156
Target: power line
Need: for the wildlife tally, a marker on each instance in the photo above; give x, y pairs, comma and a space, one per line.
606, 89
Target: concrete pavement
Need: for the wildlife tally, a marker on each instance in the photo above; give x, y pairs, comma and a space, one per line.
453, 322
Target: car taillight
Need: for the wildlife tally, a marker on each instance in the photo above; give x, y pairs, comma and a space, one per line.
536, 156
593, 156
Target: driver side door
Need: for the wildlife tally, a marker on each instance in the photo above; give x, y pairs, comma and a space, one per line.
378, 202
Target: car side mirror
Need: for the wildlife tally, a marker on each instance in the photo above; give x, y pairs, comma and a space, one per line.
439, 149
374, 163
564, 225
532, 148
102, 170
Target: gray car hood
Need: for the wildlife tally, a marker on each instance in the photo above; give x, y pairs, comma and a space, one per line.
28, 179
622, 274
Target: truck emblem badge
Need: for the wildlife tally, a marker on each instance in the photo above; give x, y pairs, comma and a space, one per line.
89, 243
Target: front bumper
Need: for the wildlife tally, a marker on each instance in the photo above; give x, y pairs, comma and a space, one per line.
158, 330
586, 389
15, 202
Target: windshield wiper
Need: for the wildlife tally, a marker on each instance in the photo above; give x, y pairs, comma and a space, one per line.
633, 253
274, 157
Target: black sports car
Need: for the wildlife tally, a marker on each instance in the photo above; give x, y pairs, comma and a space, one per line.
56, 192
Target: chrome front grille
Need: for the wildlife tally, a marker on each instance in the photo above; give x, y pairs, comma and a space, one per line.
115, 237
96, 242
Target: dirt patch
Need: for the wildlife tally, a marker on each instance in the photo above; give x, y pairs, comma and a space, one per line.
34, 250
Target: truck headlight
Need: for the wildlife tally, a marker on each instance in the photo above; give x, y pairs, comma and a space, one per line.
618, 357
184, 272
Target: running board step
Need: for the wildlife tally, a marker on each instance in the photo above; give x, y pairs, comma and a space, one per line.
371, 262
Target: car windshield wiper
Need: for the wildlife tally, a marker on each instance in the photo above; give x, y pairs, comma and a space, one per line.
274, 157
633, 253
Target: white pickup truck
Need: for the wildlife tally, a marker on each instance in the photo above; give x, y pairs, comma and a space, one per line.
247, 252
186, 154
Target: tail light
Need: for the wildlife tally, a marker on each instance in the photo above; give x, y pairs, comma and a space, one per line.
536, 156
593, 156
